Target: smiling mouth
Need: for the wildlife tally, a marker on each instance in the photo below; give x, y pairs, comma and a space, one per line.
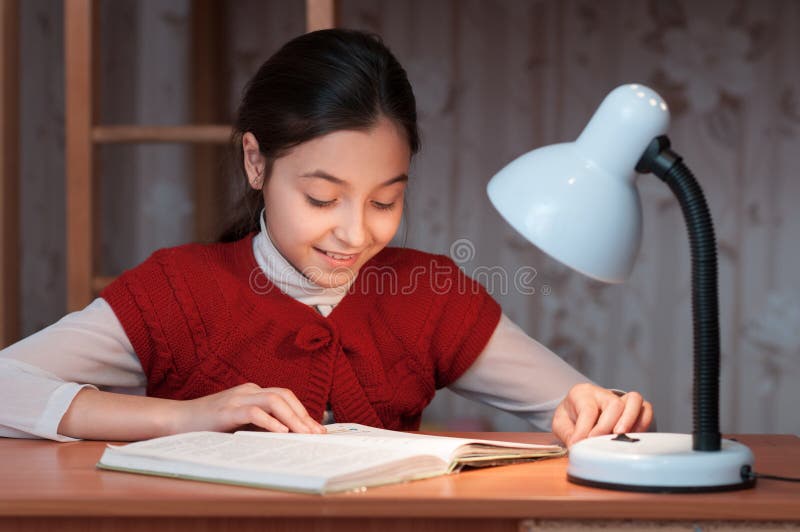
337, 256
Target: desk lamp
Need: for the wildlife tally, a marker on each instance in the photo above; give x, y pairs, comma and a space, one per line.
578, 202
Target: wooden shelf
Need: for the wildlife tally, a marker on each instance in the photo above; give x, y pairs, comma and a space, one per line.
321, 14
200, 134
81, 28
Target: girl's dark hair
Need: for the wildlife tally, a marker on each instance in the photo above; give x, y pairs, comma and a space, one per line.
317, 83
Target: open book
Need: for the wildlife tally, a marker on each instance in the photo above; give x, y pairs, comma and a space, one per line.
349, 456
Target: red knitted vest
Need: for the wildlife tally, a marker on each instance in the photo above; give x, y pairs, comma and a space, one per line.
204, 318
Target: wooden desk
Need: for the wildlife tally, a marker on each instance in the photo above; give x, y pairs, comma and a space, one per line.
55, 486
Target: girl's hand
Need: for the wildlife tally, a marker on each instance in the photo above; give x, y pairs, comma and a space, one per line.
273, 409
589, 410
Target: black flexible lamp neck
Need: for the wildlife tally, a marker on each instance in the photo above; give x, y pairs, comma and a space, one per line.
668, 166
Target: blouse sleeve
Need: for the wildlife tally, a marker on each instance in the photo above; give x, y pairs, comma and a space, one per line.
517, 374
41, 374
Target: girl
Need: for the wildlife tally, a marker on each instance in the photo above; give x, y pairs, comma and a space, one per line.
301, 313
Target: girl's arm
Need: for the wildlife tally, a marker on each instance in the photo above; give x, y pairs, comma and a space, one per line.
39, 375
97, 415
517, 374
41, 397
33, 401
110, 416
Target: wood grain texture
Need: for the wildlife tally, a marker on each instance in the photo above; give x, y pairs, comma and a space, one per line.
272, 524
60, 479
79, 67
36, 524
321, 14
201, 133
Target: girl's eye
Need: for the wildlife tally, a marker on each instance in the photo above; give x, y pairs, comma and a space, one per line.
383, 206
319, 203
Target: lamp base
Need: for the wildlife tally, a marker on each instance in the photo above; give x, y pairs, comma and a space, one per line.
658, 462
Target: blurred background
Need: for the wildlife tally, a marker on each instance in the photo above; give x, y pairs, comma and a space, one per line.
493, 79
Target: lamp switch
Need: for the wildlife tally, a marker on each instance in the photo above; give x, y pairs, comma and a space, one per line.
625, 438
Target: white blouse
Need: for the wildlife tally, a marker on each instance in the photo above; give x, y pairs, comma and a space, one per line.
41, 374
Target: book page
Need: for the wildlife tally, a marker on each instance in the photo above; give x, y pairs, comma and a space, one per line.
362, 438
366, 437
315, 455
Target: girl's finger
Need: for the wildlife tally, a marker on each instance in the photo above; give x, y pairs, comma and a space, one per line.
275, 405
295, 404
609, 417
562, 425
633, 407
256, 416
587, 417
645, 418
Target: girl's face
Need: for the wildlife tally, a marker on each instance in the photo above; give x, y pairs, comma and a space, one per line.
334, 202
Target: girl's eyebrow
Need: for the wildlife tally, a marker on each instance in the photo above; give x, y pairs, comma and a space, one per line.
338, 181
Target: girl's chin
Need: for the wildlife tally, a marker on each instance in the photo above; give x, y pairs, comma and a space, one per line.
330, 279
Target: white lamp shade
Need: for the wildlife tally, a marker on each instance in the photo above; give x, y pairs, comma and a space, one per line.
578, 201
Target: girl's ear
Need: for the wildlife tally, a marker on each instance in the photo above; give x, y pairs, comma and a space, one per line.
254, 161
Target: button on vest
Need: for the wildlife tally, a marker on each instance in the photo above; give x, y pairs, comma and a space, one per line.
312, 337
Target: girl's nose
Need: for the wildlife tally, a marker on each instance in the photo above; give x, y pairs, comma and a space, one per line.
351, 229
